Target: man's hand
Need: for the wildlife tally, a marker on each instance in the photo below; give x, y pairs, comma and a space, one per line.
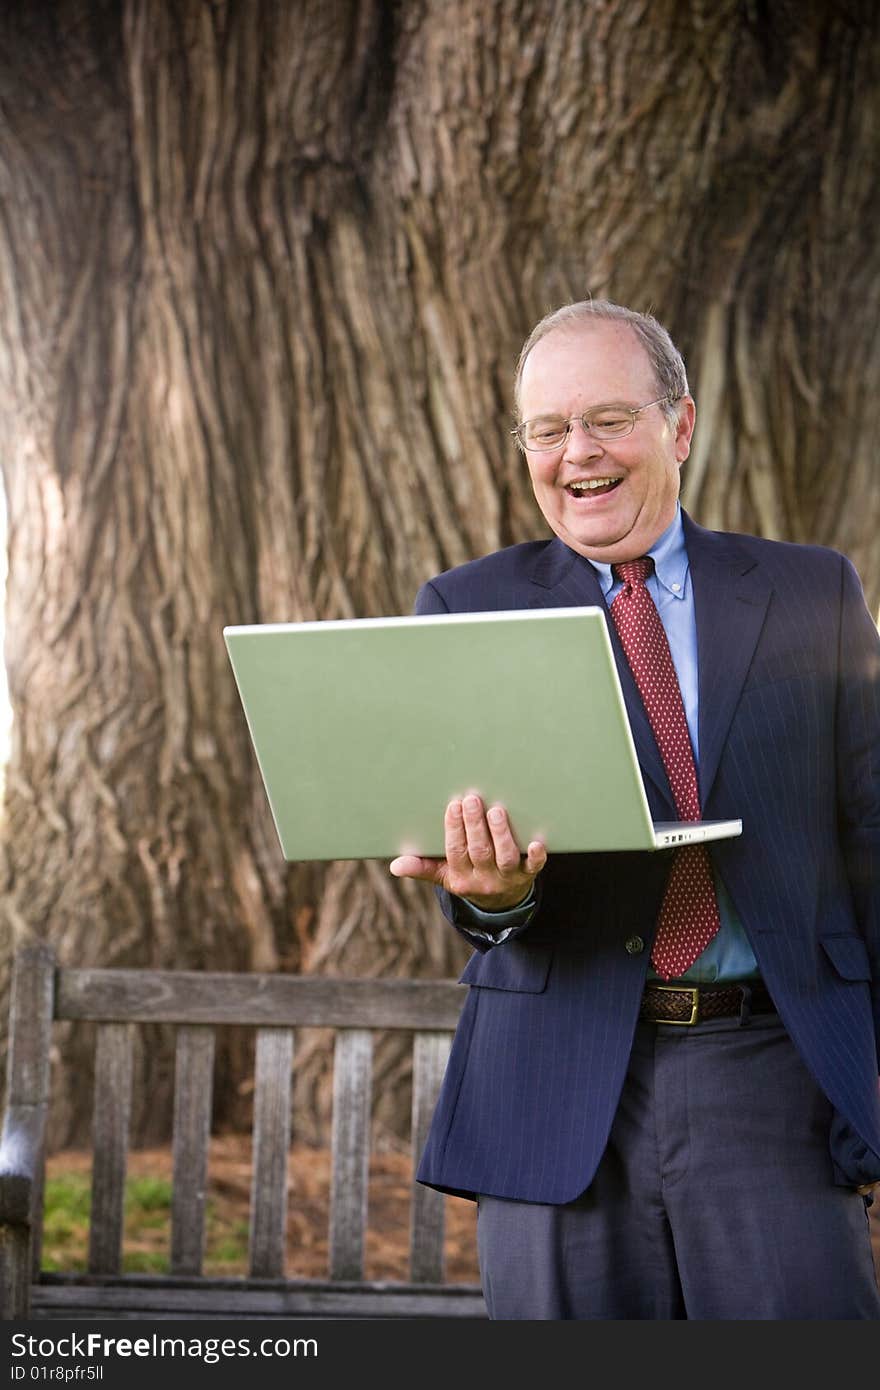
483, 860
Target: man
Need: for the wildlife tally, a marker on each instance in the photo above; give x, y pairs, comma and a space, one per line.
637, 1149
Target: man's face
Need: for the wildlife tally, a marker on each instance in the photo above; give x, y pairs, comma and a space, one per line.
573, 369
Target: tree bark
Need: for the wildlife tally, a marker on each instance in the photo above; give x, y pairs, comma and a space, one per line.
265, 269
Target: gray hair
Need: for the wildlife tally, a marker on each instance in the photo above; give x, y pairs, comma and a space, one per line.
664, 356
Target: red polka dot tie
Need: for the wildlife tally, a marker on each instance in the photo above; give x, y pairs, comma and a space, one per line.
689, 913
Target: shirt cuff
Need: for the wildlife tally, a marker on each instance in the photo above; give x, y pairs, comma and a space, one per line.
495, 926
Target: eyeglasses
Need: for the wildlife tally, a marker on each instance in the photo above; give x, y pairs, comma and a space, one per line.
602, 422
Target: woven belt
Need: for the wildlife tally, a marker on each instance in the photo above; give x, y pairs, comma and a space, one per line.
694, 1004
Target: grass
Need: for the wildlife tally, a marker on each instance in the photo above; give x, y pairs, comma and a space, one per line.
66, 1216
147, 1227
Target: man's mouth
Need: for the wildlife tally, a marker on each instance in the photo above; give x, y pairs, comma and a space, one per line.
592, 487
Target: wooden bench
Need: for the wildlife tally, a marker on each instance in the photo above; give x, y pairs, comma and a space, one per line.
198, 1003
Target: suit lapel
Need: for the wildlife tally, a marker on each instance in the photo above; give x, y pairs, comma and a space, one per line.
730, 597
563, 579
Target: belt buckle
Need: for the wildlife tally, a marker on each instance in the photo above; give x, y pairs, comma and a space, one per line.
694, 992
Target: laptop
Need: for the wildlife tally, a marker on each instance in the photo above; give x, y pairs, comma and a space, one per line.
365, 728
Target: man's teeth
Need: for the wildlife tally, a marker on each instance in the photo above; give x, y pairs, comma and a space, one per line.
589, 484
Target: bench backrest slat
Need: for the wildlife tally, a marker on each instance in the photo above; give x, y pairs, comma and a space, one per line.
114, 1054
271, 1144
428, 1209
192, 996
30, 1026
193, 1094
352, 1089
28, 1065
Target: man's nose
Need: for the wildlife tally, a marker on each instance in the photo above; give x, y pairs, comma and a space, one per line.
580, 444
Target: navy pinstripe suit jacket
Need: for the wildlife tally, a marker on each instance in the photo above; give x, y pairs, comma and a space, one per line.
789, 736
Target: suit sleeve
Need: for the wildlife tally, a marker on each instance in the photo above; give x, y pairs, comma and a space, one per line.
858, 765
429, 600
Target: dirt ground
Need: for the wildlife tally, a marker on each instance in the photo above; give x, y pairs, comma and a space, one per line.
387, 1238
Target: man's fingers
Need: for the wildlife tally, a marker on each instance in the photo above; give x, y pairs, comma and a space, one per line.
483, 840
536, 858
483, 860
456, 837
480, 849
415, 866
506, 850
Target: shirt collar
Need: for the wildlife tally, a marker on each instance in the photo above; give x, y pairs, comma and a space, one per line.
670, 560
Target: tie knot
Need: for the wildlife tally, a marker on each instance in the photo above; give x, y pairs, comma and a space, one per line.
634, 571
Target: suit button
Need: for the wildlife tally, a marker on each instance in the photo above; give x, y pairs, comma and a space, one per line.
634, 944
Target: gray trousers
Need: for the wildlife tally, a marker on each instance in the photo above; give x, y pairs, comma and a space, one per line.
714, 1199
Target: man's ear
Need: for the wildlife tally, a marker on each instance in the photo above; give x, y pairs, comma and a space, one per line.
687, 418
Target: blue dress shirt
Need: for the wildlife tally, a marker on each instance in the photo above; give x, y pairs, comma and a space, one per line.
729, 955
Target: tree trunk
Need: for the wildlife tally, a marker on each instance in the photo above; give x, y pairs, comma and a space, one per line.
265, 269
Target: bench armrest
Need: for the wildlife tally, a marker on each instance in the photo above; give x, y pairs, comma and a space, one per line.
21, 1150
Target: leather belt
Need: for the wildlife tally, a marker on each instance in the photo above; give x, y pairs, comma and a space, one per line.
689, 1004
